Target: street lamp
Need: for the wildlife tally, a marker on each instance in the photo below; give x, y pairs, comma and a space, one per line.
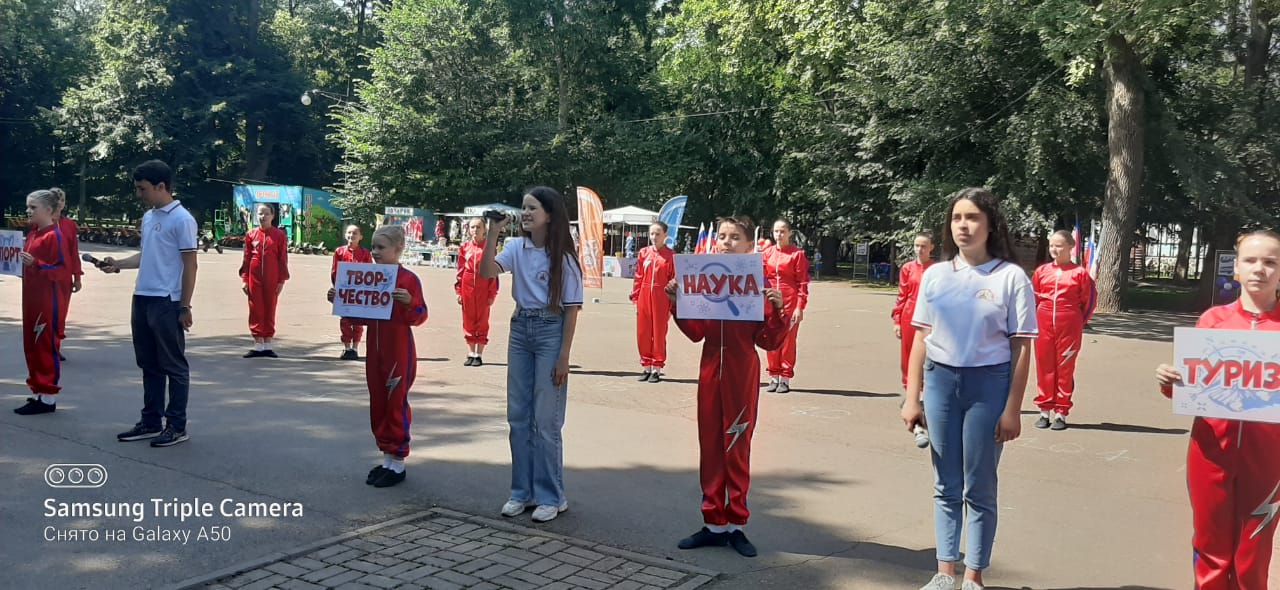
309, 96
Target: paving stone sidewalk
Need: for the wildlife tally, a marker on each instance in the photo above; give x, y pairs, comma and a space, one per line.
446, 550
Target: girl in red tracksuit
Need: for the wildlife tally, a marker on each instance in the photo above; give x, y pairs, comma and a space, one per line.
391, 361
655, 267
1065, 298
728, 397
264, 270
352, 252
1233, 469
476, 294
908, 286
45, 275
788, 268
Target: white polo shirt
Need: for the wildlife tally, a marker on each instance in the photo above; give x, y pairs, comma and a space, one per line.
531, 275
972, 312
166, 233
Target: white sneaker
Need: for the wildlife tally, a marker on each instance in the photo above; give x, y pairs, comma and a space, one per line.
970, 585
515, 508
547, 512
940, 581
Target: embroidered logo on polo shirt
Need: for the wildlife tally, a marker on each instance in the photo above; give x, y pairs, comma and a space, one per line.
542, 276
986, 295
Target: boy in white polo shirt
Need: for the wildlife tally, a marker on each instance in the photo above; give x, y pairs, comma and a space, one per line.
976, 319
161, 305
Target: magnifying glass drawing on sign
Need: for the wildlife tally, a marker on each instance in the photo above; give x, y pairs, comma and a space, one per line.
724, 293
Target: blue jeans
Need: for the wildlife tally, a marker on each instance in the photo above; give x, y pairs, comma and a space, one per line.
159, 346
535, 407
962, 406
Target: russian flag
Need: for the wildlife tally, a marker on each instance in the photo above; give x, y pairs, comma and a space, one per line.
698, 248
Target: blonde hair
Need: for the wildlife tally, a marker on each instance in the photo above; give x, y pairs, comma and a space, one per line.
49, 197
393, 233
1258, 233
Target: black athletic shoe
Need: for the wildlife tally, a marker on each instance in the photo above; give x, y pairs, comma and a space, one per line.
62, 358
268, 353
704, 538
35, 406
374, 474
783, 387
388, 479
350, 355
1059, 423
1043, 422
773, 386
169, 437
738, 540
253, 354
471, 360
655, 377
139, 432
478, 362
645, 376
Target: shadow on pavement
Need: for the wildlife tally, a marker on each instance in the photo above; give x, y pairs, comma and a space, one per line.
1156, 326
1133, 428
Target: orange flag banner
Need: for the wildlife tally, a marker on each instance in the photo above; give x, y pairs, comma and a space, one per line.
591, 238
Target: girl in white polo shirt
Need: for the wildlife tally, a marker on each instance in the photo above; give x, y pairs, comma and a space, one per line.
975, 320
547, 287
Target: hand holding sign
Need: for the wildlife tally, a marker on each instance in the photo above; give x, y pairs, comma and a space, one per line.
721, 287
11, 254
1232, 374
366, 291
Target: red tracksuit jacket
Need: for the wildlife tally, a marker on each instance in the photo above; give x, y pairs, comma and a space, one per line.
788, 269
42, 300
391, 366
905, 306
1233, 479
265, 266
1065, 299
351, 331
728, 397
476, 293
654, 269
71, 254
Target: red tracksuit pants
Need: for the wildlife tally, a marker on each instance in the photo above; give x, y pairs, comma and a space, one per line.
475, 316
1233, 476
782, 362
904, 345
1056, 350
390, 366
726, 422
41, 323
262, 308
653, 317
64, 290
351, 332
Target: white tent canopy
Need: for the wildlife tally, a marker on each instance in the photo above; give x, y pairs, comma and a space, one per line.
480, 209
630, 216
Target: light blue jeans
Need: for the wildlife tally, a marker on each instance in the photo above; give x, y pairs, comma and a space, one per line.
962, 406
535, 407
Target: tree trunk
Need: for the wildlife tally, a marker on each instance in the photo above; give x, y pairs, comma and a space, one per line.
1259, 42
1183, 263
1125, 137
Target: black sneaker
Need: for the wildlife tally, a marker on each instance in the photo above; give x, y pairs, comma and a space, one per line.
35, 406
139, 432
644, 376
1059, 423
773, 386
350, 354
1043, 422
783, 387
374, 474
471, 360
478, 362
62, 358
704, 538
169, 437
655, 377
253, 354
268, 353
738, 540
388, 479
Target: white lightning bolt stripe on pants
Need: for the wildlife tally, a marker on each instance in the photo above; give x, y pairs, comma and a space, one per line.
1056, 350
1233, 473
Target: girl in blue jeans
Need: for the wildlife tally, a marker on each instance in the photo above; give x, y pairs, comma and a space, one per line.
975, 319
547, 288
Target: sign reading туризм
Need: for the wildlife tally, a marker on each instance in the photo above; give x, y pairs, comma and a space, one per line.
1233, 374
720, 287
364, 290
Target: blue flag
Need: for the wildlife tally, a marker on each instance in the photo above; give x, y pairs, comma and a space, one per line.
671, 214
